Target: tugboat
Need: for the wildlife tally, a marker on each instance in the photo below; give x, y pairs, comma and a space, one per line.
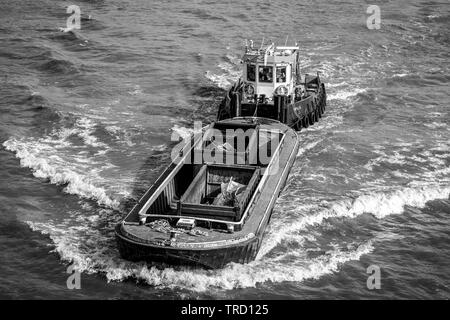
273, 87
212, 204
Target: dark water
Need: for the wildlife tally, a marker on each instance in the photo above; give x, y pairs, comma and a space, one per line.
86, 119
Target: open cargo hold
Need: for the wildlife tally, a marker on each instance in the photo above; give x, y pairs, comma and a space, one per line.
176, 195
212, 212
198, 199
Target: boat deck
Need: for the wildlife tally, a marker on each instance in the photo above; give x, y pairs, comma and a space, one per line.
258, 213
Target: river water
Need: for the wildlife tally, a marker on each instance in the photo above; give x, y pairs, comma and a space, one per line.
86, 119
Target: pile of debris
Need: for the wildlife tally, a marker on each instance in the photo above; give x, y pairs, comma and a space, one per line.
163, 226
229, 195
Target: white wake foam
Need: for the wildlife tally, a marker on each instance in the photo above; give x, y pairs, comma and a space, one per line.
308, 146
227, 78
380, 204
99, 256
249, 275
93, 250
345, 94
436, 125
45, 163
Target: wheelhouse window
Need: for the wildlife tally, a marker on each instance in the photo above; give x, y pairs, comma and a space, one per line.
251, 70
281, 74
265, 74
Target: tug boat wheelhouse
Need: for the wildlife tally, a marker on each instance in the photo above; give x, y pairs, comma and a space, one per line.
212, 204
273, 87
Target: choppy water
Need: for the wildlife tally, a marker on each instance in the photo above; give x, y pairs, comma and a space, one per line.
86, 120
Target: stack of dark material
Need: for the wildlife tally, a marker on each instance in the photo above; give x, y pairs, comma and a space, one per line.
230, 194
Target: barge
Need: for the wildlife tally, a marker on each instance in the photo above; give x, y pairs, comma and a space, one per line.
213, 202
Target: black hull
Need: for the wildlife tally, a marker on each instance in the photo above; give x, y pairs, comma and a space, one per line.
207, 258
297, 115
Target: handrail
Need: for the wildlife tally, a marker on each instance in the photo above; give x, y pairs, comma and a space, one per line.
278, 184
266, 174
